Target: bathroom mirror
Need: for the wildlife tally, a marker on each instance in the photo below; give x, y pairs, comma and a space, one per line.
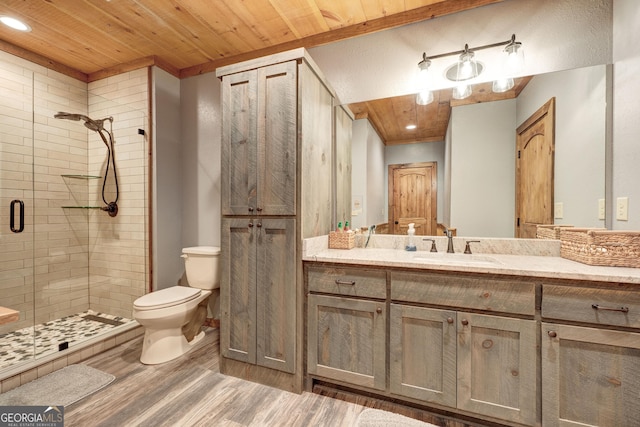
477, 158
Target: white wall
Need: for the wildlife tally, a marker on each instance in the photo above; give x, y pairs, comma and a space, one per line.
626, 109
579, 170
556, 35
367, 174
483, 169
201, 145
167, 185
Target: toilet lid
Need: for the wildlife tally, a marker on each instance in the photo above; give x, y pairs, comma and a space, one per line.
166, 297
202, 250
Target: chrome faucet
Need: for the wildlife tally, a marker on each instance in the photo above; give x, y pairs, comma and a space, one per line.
450, 238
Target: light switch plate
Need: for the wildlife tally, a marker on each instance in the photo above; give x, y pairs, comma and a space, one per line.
558, 210
601, 209
622, 209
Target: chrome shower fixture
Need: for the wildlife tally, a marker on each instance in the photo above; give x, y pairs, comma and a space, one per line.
98, 126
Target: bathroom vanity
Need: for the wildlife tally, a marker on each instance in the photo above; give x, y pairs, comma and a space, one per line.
512, 339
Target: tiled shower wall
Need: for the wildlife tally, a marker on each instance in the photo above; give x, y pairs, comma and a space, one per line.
118, 247
82, 258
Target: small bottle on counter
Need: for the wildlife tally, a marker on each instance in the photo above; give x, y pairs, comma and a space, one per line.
411, 246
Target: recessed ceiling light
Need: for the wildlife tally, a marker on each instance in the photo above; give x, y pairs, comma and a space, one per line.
14, 23
410, 127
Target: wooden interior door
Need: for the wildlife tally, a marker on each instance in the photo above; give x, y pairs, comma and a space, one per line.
535, 147
413, 190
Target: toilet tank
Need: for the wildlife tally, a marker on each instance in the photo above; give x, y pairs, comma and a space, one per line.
201, 263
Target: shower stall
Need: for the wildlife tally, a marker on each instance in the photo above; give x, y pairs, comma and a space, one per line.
73, 221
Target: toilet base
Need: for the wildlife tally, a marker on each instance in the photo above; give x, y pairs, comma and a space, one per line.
163, 345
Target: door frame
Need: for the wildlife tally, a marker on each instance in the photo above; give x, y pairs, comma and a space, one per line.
434, 192
547, 111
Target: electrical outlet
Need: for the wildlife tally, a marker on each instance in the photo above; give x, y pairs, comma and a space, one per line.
622, 209
601, 209
558, 210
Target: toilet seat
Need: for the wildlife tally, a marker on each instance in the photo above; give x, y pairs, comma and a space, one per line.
166, 298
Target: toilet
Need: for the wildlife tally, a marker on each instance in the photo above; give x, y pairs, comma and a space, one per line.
168, 314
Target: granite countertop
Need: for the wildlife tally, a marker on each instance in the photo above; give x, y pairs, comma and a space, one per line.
546, 264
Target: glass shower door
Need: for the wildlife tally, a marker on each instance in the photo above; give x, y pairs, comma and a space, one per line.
17, 341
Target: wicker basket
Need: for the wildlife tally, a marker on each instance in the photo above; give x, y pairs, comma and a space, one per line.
341, 240
601, 247
549, 231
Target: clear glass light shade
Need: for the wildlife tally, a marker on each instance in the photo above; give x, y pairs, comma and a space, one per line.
514, 62
424, 97
461, 91
467, 67
502, 85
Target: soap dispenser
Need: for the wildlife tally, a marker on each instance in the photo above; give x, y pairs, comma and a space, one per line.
411, 246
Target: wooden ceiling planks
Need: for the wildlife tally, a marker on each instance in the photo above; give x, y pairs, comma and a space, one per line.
390, 116
196, 36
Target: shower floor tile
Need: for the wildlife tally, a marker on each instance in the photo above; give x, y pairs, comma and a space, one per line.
18, 346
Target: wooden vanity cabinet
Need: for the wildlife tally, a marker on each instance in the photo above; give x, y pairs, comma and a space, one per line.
590, 372
481, 363
346, 325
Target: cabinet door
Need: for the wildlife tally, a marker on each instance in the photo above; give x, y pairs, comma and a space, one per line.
277, 139
238, 289
276, 293
239, 143
497, 367
346, 340
423, 353
590, 376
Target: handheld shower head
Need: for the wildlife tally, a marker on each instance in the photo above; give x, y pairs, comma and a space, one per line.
70, 116
89, 123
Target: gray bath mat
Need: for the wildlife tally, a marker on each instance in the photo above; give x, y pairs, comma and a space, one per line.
59, 388
377, 418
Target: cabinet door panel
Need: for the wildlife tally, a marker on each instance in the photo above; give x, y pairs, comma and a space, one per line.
277, 136
346, 340
239, 143
497, 367
423, 353
238, 290
590, 376
276, 294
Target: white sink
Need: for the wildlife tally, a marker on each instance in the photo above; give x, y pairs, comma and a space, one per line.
460, 259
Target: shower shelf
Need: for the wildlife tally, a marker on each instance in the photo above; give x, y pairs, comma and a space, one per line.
85, 177
82, 176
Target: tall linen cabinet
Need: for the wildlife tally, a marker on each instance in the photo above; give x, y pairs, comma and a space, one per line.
277, 189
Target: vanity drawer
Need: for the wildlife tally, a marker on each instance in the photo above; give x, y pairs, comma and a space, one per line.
599, 306
348, 281
478, 293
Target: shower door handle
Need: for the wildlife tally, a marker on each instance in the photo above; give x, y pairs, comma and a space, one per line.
12, 216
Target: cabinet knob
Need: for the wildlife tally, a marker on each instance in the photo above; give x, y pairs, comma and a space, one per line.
449, 320
259, 225
552, 334
250, 224
465, 322
259, 209
250, 209
378, 310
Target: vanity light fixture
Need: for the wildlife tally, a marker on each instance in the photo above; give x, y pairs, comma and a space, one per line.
425, 96
15, 23
467, 68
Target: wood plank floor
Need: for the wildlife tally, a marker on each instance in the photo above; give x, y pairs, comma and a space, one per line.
190, 391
